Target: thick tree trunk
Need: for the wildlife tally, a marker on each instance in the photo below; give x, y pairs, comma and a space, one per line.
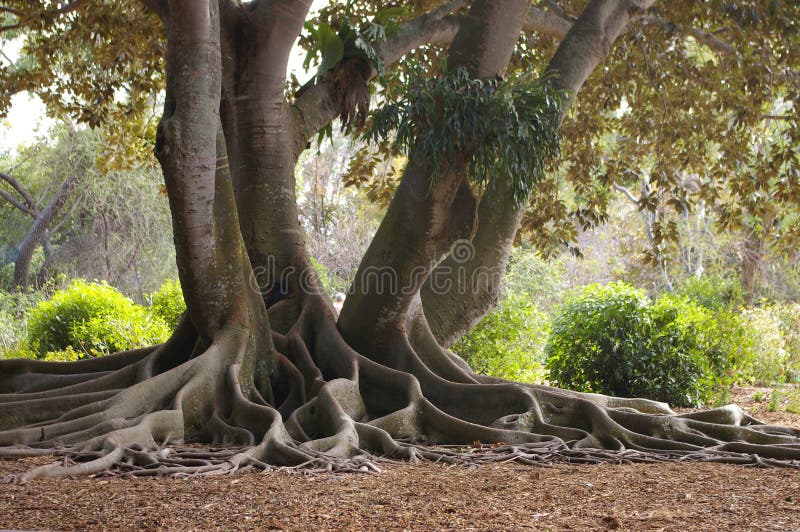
426, 217
473, 285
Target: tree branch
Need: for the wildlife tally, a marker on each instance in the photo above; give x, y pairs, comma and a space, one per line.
38, 230
315, 106
586, 44
624, 190
701, 36
9, 198
16, 185
556, 8
546, 23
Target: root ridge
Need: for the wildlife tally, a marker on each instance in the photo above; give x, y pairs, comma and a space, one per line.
332, 409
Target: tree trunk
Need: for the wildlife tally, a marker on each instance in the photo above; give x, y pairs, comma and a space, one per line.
472, 286
752, 252
38, 231
426, 218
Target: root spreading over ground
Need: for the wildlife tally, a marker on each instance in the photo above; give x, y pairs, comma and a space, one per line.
327, 407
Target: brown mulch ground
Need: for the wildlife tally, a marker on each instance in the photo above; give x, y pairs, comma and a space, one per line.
425, 497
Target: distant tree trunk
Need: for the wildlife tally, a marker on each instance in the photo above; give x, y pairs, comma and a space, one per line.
752, 252
38, 231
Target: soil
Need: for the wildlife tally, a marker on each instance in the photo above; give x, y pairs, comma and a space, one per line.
670, 496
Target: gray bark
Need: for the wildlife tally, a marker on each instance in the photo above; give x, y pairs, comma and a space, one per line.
452, 313
38, 231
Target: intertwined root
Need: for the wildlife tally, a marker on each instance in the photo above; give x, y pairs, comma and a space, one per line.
330, 408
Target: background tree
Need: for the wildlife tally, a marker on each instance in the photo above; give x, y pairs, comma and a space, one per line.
100, 223
259, 360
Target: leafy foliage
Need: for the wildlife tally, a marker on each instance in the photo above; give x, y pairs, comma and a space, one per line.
612, 339
775, 333
347, 57
99, 63
93, 319
713, 292
509, 342
13, 307
167, 303
506, 129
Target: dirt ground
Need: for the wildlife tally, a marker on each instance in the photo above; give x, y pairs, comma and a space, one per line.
668, 496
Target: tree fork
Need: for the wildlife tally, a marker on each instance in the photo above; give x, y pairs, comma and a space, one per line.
452, 313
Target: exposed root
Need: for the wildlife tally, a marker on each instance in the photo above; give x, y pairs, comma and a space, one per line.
329, 408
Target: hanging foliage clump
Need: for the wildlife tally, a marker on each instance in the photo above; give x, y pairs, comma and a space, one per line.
508, 129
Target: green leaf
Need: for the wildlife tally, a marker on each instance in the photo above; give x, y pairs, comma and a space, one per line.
329, 46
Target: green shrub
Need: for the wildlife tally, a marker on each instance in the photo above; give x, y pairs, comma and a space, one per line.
13, 325
724, 337
509, 342
775, 337
167, 303
21, 349
543, 281
789, 315
611, 339
713, 292
93, 319
10, 330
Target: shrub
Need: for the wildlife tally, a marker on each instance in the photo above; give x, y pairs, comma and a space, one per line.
167, 303
21, 349
713, 292
10, 330
775, 333
93, 319
509, 342
13, 325
543, 281
790, 331
611, 339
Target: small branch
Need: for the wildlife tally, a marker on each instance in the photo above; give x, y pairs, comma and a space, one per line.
314, 105
13, 11
9, 28
9, 198
701, 36
624, 190
546, 23
16, 185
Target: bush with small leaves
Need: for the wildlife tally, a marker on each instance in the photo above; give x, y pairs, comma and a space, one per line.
167, 303
509, 342
93, 319
612, 339
713, 292
775, 330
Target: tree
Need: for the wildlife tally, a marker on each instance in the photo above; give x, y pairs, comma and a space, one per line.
259, 360
42, 203
111, 227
